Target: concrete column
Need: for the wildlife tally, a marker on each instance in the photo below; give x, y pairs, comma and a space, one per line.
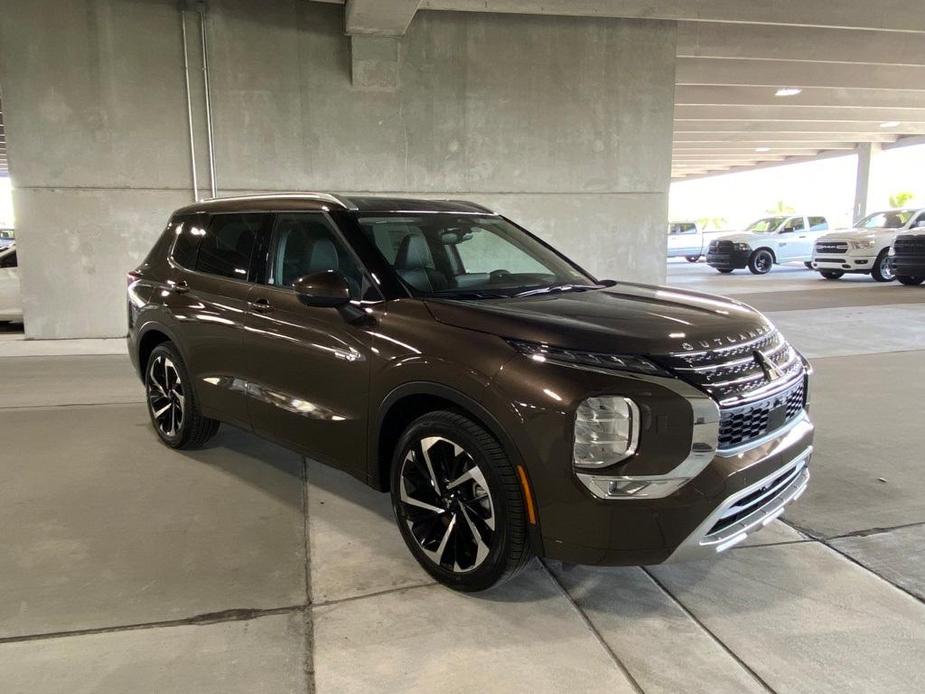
867, 154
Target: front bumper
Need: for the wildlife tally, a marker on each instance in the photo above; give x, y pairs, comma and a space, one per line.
845, 262
734, 260
908, 265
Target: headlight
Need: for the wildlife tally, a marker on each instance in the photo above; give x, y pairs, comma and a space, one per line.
606, 431
891, 252
742, 247
858, 245
600, 360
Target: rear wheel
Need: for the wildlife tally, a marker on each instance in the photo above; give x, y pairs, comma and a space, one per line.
910, 280
882, 270
458, 502
809, 266
760, 262
831, 274
692, 258
724, 270
172, 403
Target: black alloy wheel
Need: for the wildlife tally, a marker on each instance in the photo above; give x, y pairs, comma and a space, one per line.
458, 503
760, 262
172, 403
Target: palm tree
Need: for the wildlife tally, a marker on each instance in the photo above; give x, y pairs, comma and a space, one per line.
900, 199
715, 222
780, 208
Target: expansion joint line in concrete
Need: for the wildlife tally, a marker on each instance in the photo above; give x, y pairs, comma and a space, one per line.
883, 578
307, 615
597, 635
732, 654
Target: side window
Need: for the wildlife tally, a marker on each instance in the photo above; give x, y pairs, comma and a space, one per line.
189, 233
818, 223
919, 221
792, 224
305, 244
226, 247
9, 260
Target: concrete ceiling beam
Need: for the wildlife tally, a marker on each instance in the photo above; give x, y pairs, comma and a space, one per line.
791, 73
781, 127
707, 95
379, 17
772, 138
736, 112
886, 15
720, 40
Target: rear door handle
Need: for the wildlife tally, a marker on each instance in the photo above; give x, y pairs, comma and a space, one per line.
260, 306
181, 287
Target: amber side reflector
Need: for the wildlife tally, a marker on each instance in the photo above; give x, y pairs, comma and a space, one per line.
528, 495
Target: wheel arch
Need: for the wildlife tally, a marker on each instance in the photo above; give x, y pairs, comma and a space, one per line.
409, 401
150, 336
768, 249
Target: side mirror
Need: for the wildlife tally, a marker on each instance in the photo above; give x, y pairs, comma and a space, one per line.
919, 224
328, 289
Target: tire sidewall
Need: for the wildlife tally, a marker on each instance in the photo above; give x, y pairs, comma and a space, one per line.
877, 272
495, 564
753, 262
166, 349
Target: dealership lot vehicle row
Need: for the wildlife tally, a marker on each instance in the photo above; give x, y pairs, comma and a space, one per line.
159, 538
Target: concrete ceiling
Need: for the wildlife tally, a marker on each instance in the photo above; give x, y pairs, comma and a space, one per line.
860, 66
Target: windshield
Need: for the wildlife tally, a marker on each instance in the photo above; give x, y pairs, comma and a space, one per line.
895, 219
763, 226
468, 256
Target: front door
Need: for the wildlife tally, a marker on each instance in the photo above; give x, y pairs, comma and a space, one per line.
309, 367
792, 241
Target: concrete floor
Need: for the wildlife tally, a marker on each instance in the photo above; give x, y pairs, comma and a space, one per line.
244, 568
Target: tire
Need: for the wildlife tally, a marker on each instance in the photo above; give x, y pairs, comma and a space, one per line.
761, 262
724, 270
809, 266
881, 271
172, 404
478, 557
910, 280
832, 274
692, 258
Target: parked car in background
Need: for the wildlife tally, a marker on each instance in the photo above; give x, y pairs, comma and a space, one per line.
766, 242
10, 296
511, 403
7, 237
685, 240
907, 255
864, 248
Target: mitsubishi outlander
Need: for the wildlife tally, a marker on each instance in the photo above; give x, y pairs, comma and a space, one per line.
511, 403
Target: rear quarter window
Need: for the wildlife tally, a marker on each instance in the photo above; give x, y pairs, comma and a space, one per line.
188, 232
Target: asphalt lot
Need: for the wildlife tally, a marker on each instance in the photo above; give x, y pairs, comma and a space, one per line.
244, 568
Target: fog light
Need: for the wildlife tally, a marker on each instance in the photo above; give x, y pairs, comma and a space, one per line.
606, 431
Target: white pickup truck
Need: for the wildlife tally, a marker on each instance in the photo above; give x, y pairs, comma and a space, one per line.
767, 242
864, 248
685, 240
10, 298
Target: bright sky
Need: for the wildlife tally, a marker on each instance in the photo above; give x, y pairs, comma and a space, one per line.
824, 187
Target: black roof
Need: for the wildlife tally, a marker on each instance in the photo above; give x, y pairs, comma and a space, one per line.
280, 202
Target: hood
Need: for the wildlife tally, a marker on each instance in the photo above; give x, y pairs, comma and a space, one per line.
849, 234
744, 237
626, 318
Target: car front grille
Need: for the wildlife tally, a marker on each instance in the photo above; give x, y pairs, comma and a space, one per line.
910, 245
758, 384
831, 247
741, 425
723, 247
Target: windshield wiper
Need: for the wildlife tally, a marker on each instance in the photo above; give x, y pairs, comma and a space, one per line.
467, 294
560, 288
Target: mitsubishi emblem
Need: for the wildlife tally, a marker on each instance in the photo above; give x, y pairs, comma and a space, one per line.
771, 370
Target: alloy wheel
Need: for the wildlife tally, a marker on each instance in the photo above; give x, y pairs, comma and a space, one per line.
886, 269
763, 262
446, 504
166, 397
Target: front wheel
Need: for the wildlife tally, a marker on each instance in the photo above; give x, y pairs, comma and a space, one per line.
909, 280
172, 403
724, 270
831, 274
692, 258
883, 270
760, 262
809, 266
458, 502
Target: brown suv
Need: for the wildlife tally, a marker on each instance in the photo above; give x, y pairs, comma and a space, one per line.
511, 403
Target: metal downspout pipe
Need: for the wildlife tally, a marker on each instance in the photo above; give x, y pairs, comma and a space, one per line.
199, 9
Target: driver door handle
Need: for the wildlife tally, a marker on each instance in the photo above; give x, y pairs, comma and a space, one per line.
181, 287
260, 306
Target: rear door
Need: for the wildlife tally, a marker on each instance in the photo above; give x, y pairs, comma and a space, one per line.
212, 261
309, 366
